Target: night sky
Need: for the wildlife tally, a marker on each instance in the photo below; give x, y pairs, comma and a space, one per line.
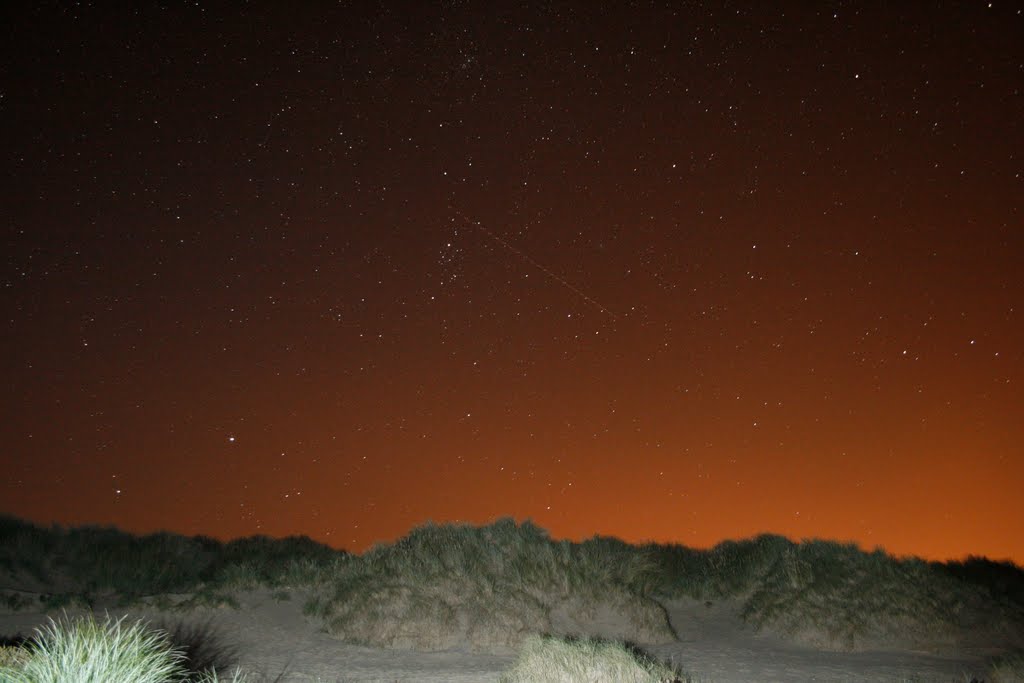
672, 271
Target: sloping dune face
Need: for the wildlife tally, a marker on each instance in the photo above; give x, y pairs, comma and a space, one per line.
488, 588
836, 596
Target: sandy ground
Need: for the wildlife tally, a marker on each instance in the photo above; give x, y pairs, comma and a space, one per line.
273, 637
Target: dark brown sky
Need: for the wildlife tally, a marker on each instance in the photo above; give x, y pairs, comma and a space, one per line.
669, 271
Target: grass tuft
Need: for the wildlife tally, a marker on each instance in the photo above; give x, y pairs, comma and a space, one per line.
87, 651
571, 660
84, 650
13, 657
1007, 668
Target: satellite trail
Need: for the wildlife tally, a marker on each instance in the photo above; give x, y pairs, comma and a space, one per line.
526, 257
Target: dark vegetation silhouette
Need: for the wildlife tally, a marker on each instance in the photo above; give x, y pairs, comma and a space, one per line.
205, 650
81, 563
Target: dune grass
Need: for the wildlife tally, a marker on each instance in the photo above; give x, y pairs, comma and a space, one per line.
491, 586
572, 660
834, 595
84, 650
12, 656
487, 587
1007, 668
78, 565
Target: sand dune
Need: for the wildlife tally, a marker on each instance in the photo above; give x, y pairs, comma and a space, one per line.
273, 637
462, 603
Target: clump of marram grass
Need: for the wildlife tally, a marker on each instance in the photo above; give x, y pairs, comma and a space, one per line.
487, 587
12, 657
571, 660
1007, 668
84, 650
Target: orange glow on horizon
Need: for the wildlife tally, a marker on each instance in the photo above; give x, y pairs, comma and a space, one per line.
663, 274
